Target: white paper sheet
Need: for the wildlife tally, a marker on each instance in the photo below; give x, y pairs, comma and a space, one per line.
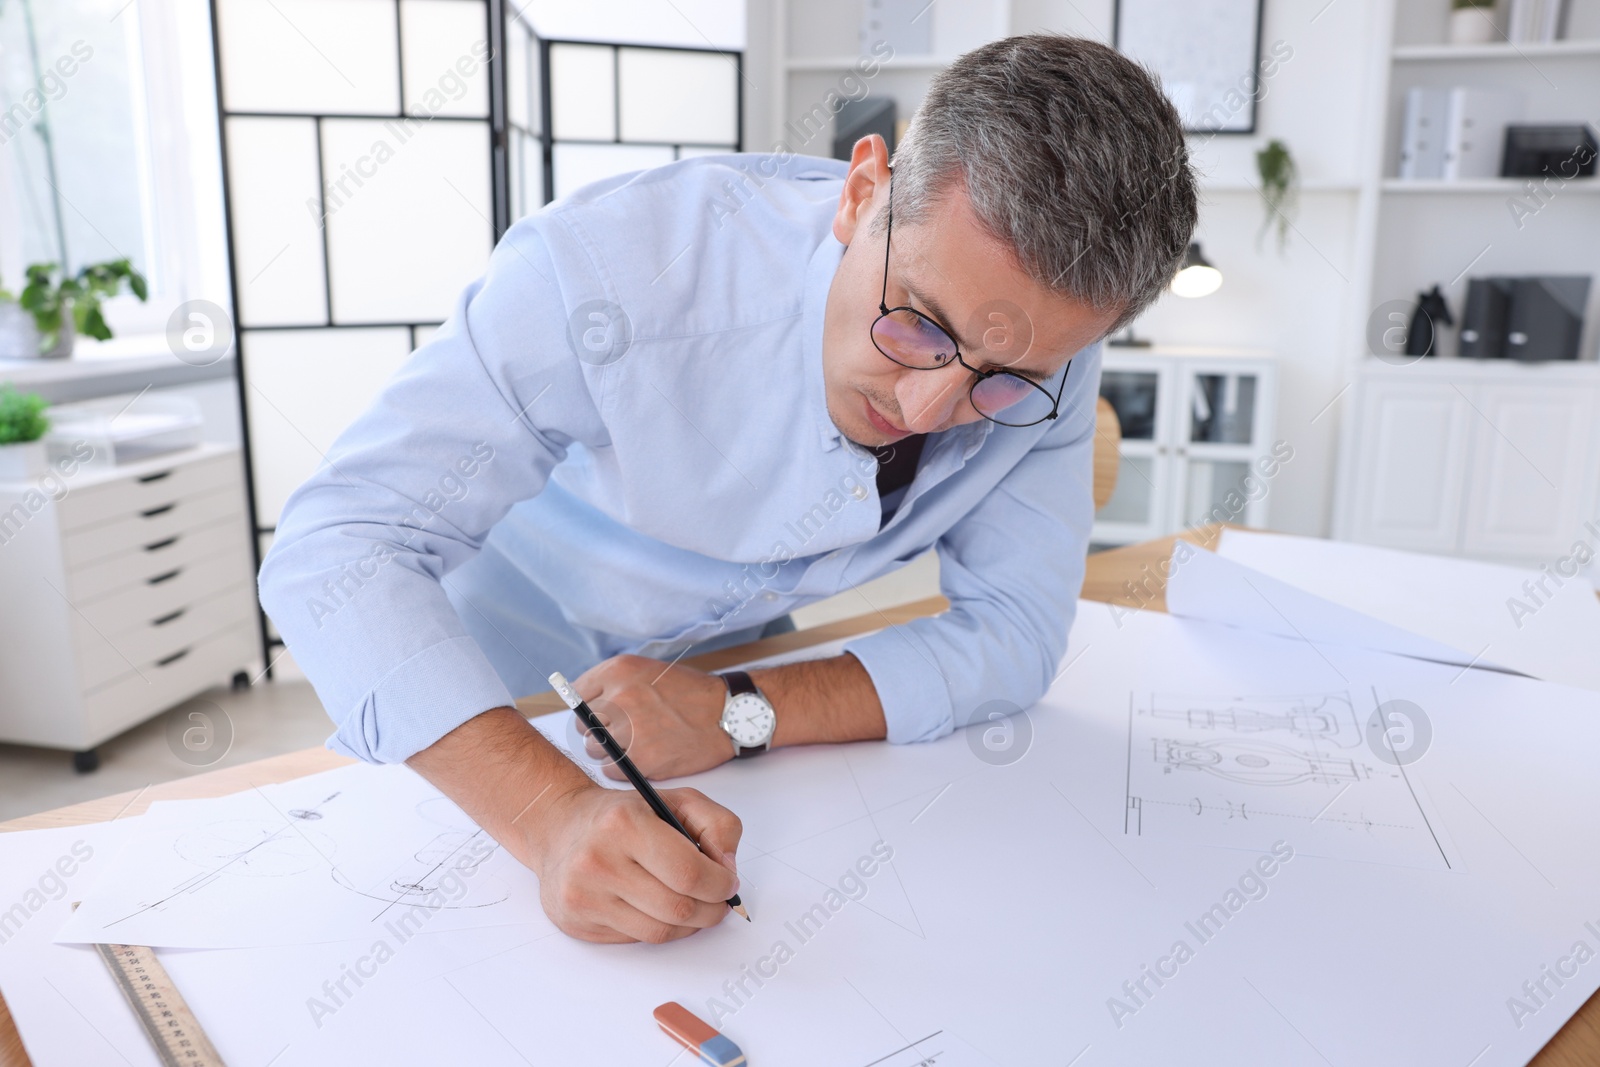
1538, 622
1020, 907
52, 990
1026, 917
357, 852
256, 1005
1200, 767
1213, 588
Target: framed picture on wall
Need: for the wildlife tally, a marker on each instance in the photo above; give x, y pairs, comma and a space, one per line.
1207, 54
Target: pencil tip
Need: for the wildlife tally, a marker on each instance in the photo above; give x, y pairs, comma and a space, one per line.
741, 910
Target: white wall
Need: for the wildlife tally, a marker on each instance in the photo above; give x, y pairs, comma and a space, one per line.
1299, 303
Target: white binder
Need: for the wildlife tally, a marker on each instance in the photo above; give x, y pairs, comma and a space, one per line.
1475, 131
1422, 134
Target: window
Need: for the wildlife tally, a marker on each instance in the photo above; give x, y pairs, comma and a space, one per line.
104, 121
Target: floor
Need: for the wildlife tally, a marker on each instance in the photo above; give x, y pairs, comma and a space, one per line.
284, 715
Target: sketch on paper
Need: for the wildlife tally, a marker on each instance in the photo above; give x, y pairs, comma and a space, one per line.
328, 857
242, 848
1242, 771
291, 846
417, 878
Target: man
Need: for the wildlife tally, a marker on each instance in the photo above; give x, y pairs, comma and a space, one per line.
656, 425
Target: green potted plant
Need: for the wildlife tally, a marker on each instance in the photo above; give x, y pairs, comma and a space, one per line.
22, 425
1471, 22
65, 305
1280, 188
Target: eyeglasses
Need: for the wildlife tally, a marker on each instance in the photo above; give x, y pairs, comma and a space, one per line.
912, 339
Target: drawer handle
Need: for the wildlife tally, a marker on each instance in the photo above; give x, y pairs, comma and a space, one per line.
154, 546
158, 579
168, 618
153, 512
175, 657
156, 477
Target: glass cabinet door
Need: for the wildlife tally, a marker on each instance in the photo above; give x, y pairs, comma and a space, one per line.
1194, 425
1138, 508
1217, 445
1217, 491
1222, 409
1133, 395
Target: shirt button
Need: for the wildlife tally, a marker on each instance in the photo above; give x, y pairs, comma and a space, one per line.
769, 597
859, 492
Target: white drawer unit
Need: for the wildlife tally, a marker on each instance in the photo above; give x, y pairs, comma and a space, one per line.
122, 593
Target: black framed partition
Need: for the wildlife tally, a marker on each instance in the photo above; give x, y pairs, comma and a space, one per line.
373, 152
621, 107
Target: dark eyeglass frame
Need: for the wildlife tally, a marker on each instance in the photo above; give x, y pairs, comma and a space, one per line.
884, 311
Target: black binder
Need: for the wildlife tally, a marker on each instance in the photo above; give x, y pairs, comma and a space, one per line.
1483, 323
1546, 317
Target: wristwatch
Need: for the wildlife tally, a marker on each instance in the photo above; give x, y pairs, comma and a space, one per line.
747, 716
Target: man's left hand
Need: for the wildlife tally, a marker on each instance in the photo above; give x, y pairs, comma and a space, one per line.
667, 719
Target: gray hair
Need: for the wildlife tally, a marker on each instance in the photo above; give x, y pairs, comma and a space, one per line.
1070, 154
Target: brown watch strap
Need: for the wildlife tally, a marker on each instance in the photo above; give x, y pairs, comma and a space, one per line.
739, 683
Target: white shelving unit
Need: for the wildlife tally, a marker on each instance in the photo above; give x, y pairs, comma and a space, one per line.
1491, 459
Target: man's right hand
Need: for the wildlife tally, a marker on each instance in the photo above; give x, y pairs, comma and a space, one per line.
609, 869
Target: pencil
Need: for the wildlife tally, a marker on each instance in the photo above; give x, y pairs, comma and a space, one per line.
639, 781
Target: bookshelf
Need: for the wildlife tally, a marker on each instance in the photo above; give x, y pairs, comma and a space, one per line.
1429, 231
1493, 459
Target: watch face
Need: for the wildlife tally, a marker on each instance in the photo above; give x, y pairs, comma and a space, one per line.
749, 720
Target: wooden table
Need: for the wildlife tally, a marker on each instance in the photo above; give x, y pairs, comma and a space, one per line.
1130, 576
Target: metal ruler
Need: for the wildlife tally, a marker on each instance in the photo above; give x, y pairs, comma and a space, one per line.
161, 1009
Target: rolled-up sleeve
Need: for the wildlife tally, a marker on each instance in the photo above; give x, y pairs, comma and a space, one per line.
471, 424
1012, 569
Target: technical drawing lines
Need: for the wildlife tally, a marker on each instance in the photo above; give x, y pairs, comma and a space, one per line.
238, 847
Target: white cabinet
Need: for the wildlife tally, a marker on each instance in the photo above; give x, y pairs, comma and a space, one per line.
1493, 460
1410, 458
1532, 460
1196, 422
122, 592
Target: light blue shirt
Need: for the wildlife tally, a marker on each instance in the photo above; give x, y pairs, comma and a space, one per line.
506, 508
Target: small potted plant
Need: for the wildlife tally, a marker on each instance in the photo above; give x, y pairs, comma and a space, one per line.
1280, 189
1471, 21
22, 425
65, 305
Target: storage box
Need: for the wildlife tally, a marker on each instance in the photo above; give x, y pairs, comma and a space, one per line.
122, 431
